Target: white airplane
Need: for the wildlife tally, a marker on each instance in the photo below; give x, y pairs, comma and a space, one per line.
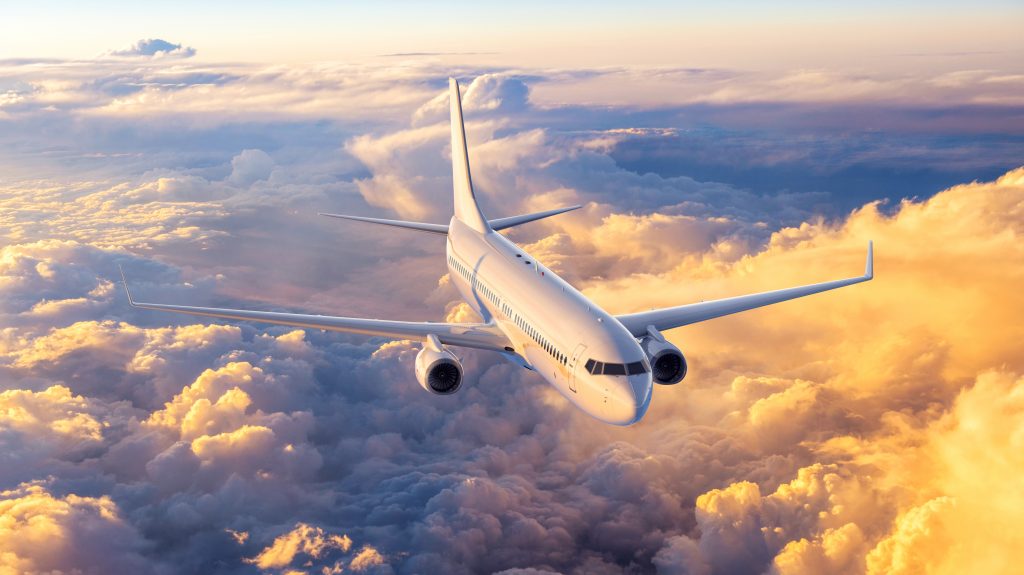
604, 364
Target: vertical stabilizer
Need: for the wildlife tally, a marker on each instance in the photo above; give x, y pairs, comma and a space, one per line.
466, 208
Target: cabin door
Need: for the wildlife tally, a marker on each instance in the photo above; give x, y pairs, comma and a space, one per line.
576, 355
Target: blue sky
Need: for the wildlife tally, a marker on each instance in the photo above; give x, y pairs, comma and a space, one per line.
655, 33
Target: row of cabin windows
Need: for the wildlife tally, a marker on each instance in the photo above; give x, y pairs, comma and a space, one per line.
481, 288
541, 341
507, 309
601, 368
463, 270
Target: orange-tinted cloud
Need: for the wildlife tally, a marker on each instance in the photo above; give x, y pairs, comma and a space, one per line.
44, 533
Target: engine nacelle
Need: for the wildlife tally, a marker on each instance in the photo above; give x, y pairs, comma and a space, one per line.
668, 365
438, 370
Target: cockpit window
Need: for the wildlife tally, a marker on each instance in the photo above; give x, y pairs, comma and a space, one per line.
614, 369
600, 368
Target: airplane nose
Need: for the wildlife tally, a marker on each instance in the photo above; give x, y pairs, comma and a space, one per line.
629, 399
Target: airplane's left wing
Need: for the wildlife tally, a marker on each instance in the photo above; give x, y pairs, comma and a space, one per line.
478, 335
672, 317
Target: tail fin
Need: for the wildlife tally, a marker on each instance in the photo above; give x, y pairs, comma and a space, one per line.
466, 208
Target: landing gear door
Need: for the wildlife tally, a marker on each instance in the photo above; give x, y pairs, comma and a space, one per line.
576, 355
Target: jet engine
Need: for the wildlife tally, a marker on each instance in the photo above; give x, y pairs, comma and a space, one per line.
668, 366
437, 369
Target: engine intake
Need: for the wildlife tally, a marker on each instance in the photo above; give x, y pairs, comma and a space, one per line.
668, 365
438, 370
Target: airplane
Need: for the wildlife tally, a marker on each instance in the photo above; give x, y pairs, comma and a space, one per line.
605, 364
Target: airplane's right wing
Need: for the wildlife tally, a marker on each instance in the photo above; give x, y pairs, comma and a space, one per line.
673, 317
478, 335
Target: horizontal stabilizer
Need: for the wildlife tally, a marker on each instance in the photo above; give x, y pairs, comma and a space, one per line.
498, 224
503, 223
419, 226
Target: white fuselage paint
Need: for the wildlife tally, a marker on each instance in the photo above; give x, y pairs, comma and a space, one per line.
554, 327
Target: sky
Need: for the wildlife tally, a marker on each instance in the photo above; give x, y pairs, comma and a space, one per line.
716, 151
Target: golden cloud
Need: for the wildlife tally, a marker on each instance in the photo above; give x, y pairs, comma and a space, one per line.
215, 402
43, 533
305, 539
54, 409
905, 389
366, 558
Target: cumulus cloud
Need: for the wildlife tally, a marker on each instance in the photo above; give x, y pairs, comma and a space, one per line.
43, 533
155, 48
250, 166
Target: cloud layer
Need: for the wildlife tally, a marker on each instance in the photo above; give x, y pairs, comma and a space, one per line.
869, 430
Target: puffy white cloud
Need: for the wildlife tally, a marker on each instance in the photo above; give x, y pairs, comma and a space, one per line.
155, 48
54, 410
250, 166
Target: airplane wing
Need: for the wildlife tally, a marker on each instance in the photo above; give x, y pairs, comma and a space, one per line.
672, 317
478, 335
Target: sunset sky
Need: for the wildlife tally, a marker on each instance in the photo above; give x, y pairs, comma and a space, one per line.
717, 150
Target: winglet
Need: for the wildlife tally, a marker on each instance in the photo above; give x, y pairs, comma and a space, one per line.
869, 268
125, 282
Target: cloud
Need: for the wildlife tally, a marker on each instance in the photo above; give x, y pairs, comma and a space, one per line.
366, 560
306, 539
28, 413
250, 166
155, 48
773, 464
963, 465
43, 533
790, 447
681, 556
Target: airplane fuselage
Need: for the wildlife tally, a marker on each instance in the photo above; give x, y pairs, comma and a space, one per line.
552, 326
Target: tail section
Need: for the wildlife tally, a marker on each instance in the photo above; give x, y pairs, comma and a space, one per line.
466, 208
